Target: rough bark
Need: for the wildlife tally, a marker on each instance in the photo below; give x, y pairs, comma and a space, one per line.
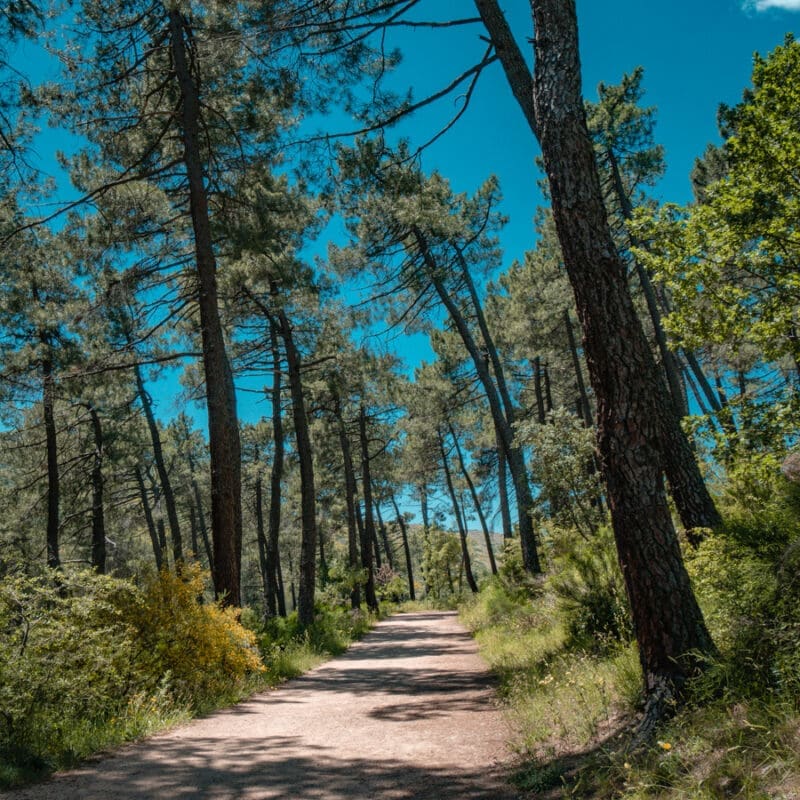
630, 393
223, 427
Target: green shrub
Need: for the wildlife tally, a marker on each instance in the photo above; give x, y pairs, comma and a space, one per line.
589, 586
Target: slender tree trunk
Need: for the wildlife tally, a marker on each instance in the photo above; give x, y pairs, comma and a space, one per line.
462, 531
223, 426
548, 396
516, 461
583, 407
148, 516
51, 444
502, 488
384, 537
475, 501
161, 468
270, 601
308, 500
702, 381
201, 516
280, 586
369, 524
272, 547
426, 529
406, 549
193, 532
537, 386
353, 556
98, 515
631, 396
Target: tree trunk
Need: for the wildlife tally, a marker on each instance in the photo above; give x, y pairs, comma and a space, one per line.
201, 517
270, 601
223, 426
475, 501
406, 549
272, 546
369, 523
384, 537
148, 516
462, 531
630, 393
695, 506
308, 499
541, 415
161, 468
51, 444
516, 462
583, 407
502, 488
98, 515
353, 556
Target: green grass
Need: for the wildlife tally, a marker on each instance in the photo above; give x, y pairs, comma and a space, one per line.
287, 652
573, 712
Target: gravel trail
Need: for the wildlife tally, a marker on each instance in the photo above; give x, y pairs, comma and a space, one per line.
408, 713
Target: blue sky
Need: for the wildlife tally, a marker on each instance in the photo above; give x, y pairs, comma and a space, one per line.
695, 54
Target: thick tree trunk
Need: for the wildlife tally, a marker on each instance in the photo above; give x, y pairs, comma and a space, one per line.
630, 394
462, 531
53, 483
308, 499
695, 506
148, 516
406, 548
223, 426
475, 501
369, 535
161, 468
98, 511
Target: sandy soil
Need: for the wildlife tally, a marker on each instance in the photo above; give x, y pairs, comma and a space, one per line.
408, 713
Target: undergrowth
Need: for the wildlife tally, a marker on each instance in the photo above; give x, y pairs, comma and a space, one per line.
88, 662
568, 671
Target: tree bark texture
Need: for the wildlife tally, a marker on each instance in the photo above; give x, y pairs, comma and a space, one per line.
627, 383
223, 425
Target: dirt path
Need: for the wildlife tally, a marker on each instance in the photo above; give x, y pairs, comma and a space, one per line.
408, 713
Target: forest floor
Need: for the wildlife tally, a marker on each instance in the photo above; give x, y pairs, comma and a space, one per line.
408, 713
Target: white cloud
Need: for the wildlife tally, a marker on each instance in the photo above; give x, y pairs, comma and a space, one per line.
763, 5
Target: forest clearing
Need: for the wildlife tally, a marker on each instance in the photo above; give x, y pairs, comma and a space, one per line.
316, 312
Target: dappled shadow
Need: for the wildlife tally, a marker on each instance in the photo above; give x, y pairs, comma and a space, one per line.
400, 716
210, 769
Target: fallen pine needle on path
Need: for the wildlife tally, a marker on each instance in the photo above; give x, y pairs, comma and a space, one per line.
408, 713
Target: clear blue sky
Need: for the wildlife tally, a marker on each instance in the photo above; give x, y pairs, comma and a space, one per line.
695, 54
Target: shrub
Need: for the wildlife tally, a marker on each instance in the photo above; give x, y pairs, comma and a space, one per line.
591, 593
